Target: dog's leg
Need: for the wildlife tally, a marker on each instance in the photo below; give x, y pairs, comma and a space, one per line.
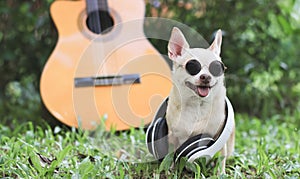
230, 143
223, 164
227, 150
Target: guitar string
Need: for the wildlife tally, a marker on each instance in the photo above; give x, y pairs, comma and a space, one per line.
102, 7
98, 51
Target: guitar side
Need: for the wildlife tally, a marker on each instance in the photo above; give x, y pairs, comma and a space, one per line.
75, 44
57, 76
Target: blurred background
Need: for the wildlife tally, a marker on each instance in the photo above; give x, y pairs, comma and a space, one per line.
260, 48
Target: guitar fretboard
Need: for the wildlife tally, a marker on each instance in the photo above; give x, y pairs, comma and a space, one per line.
96, 5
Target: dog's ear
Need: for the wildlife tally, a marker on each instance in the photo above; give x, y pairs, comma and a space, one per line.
216, 45
177, 44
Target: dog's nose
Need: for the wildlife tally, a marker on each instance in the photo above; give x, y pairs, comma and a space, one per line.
204, 78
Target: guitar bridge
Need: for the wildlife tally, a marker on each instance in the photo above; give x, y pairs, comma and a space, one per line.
110, 80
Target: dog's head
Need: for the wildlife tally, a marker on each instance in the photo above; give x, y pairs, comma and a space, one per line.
196, 71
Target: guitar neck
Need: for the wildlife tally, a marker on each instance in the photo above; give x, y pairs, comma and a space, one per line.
96, 5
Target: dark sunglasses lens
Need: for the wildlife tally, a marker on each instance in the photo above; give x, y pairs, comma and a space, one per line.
193, 67
216, 68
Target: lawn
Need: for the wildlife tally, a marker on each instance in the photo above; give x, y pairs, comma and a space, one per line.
267, 148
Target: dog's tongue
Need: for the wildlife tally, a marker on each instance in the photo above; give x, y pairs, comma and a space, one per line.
203, 91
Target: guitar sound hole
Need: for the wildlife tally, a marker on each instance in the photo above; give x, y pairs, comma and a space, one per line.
100, 22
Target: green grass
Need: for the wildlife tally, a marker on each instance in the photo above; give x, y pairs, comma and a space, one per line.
264, 149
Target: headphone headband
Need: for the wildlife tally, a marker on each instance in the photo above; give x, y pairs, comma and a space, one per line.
201, 145
209, 152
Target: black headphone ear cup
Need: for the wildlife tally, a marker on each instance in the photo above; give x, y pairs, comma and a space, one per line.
193, 145
161, 139
157, 139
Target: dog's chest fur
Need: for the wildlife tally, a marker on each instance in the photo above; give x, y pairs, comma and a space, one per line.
191, 116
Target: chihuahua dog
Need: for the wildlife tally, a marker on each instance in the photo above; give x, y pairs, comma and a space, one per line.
197, 98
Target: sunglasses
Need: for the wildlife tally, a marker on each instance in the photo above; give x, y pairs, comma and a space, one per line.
216, 68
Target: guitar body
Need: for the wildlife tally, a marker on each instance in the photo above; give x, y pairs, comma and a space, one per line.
122, 50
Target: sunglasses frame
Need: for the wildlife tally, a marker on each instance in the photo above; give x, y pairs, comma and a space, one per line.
223, 66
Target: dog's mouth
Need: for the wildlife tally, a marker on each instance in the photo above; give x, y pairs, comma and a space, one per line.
201, 90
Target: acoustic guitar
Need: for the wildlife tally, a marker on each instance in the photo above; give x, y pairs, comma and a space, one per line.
103, 70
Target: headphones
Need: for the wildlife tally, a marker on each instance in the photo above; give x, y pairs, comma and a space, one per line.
201, 145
